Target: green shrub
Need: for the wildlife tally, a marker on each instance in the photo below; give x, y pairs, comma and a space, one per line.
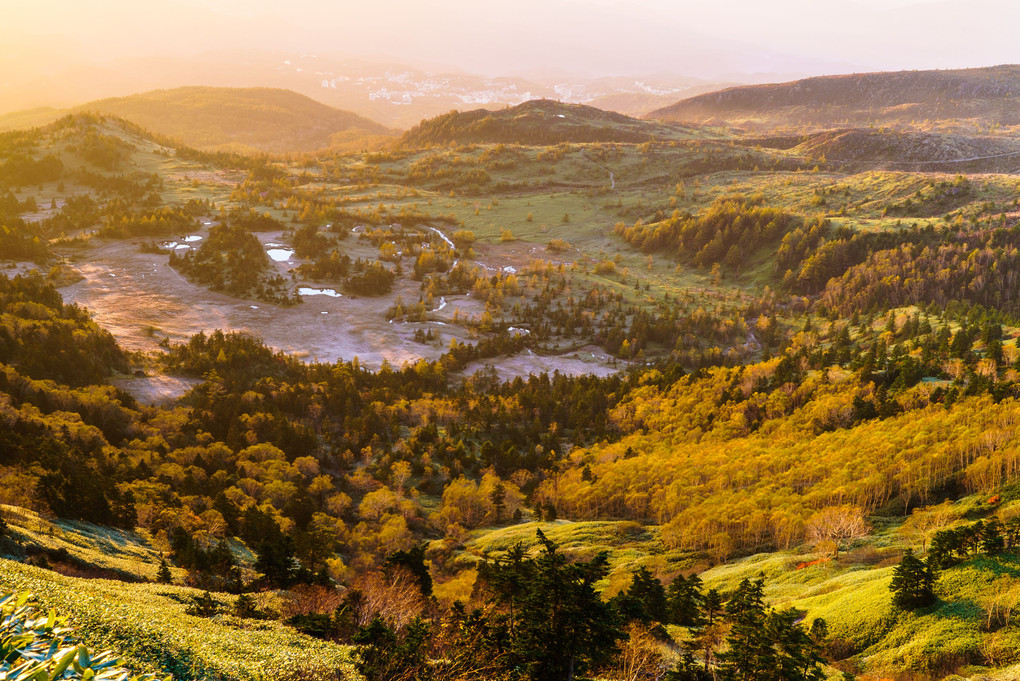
35, 646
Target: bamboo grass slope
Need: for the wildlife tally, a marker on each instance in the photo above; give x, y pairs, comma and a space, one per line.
150, 628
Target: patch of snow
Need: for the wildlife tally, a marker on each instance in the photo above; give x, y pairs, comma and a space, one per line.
443, 237
307, 291
280, 254
192, 238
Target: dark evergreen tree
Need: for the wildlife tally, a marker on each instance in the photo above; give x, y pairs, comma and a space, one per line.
712, 605
557, 625
685, 601
991, 537
947, 549
913, 583
644, 600
749, 653
797, 656
204, 606
163, 575
391, 655
276, 561
765, 644
498, 499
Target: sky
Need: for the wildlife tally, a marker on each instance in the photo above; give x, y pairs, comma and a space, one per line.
59, 52
588, 37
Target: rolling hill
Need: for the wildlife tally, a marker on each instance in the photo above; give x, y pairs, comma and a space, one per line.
539, 121
894, 98
262, 119
869, 148
913, 150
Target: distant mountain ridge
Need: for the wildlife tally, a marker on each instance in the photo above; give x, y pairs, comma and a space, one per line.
538, 122
262, 119
900, 97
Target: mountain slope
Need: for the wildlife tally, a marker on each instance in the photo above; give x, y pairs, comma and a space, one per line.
540, 121
913, 150
901, 97
265, 119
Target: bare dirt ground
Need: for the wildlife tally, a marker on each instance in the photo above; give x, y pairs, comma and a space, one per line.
572, 364
156, 390
140, 299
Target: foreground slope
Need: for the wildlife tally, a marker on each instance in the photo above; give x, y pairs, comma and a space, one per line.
150, 626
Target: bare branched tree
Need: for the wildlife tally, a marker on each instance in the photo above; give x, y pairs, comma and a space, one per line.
837, 525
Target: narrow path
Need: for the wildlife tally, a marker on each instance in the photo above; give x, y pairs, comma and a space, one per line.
612, 175
958, 160
929, 163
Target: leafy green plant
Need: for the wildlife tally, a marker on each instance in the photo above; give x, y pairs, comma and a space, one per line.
39, 647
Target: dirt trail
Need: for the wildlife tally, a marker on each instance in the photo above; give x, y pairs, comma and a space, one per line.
612, 175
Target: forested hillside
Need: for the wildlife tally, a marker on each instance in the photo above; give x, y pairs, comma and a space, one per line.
562, 398
903, 98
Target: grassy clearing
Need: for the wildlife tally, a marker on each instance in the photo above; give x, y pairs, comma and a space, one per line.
131, 553
628, 544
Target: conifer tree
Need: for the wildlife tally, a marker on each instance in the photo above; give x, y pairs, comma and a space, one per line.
913, 583
685, 601
163, 576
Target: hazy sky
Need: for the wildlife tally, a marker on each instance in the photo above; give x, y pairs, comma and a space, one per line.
708, 38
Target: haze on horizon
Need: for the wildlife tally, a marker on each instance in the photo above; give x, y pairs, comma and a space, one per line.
52, 50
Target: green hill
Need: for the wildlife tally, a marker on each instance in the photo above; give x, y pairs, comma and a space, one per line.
899, 98
264, 119
539, 122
